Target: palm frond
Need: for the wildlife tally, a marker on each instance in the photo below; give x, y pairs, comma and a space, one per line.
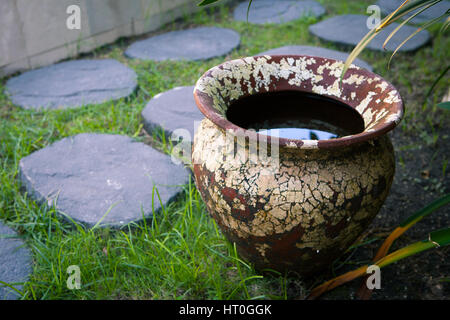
405, 8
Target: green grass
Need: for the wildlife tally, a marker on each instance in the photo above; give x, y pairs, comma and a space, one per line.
180, 254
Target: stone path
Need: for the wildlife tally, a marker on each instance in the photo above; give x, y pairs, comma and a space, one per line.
269, 11
172, 110
15, 262
192, 44
388, 6
349, 29
89, 174
72, 84
316, 51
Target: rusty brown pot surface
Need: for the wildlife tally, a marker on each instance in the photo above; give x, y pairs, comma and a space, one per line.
301, 203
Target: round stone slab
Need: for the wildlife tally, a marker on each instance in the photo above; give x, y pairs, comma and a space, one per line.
72, 84
15, 262
349, 29
389, 6
269, 11
318, 52
192, 44
173, 110
89, 176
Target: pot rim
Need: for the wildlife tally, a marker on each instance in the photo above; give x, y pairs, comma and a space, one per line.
383, 117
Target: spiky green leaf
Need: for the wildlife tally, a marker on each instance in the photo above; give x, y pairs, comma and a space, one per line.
444, 105
206, 2
433, 206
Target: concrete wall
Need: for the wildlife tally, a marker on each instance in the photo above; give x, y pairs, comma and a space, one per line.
34, 32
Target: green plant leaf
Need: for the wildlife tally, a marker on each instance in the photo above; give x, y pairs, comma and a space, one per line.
445, 25
436, 82
357, 50
411, 6
206, 2
419, 215
436, 239
444, 105
5, 284
406, 21
364, 292
439, 238
405, 8
365, 41
422, 27
405, 252
391, 17
409, 222
248, 8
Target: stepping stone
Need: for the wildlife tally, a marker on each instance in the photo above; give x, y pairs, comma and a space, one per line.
15, 262
172, 110
89, 174
192, 44
349, 29
72, 84
318, 52
389, 6
269, 11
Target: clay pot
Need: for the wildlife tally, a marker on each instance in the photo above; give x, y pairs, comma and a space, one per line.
301, 209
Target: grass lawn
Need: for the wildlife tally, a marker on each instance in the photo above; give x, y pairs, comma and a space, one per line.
181, 254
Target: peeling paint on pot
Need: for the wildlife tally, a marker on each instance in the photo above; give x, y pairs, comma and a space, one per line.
302, 210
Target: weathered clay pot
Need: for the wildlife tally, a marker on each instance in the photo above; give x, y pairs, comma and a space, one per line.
303, 210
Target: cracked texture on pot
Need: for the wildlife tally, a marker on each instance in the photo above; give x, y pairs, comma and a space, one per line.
280, 216
301, 210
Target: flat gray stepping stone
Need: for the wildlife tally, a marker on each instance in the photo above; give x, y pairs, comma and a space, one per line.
268, 11
349, 29
388, 6
192, 44
15, 262
318, 52
172, 110
89, 174
72, 84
